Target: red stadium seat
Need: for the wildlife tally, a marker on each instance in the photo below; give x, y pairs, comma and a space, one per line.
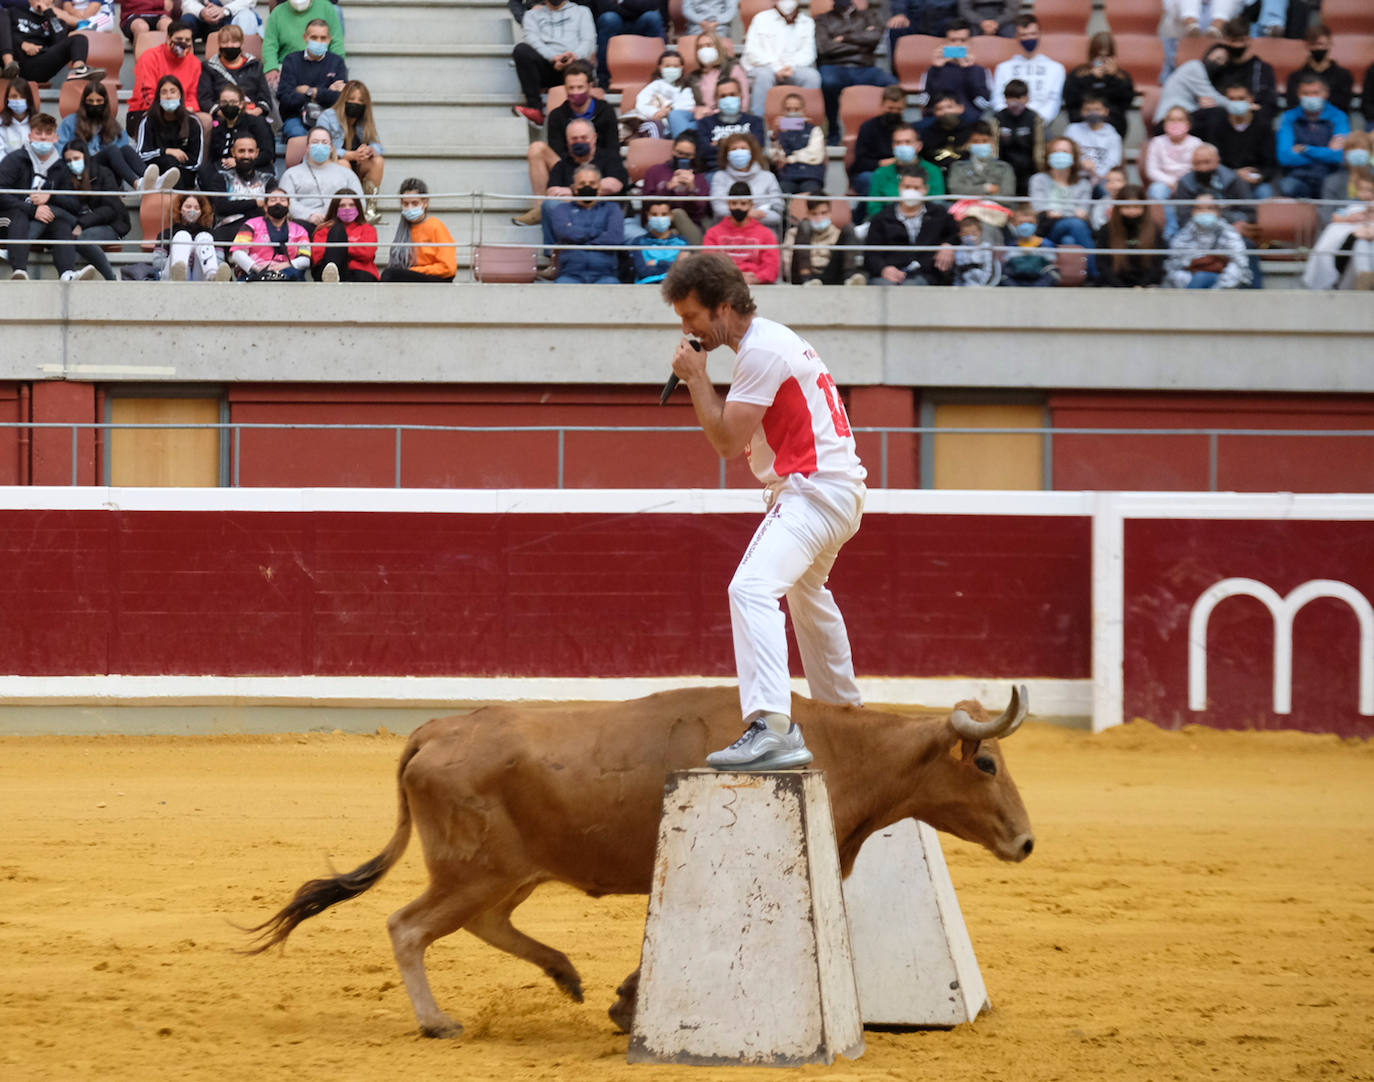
106, 51
772, 106
641, 154
252, 45
820, 7
1142, 57
857, 104
677, 18
295, 150
1287, 223
1355, 52
687, 47
1133, 16
149, 40
1348, 17
1071, 50
632, 59
1073, 265
492, 264
154, 215
913, 56
1063, 16
749, 8
1287, 55
69, 99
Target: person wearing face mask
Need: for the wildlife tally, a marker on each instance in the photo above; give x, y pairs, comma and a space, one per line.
1032, 262
743, 163
285, 33
1130, 233
1043, 77
173, 58
231, 65
101, 219
1243, 66
557, 33
584, 148
1190, 18
1340, 185
356, 141
588, 223
906, 158
981, 173
21, 106
664, 108
271, 247
239, 188
709, 16
423, 249
230, 120
944, 133
1167, 158
186, 250
780, 47
975, 264
311, 81
94, 122
1343, 256
846, 37
751, 245
1098, 142
1209, 175
1207, 253
344, 248
1020, 134
44, 208
873, 146
1245, 146
580, 104
953, 71
1339, 81
677, 179
1192, 86
818, 252
170, 140
37, 44
902, 227
313, 182
1061, 196
798, 149
661, 244
1311, 140
714, 63
1103, 78
730, 120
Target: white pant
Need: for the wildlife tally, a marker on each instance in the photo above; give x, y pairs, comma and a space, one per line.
790, 555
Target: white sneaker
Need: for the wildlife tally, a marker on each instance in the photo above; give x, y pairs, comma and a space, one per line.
330, 273
178, 272
19, 276
69, 276
149, 179
169, 179
760, 748
87, 273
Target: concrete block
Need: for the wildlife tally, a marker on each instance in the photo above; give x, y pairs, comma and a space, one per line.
913, 959
746, 949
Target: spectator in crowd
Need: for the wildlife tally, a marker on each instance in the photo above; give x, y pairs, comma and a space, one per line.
944, 133
1184, 18
995, 18
423, 249
21, 106
170, 139
846, 37
1098, 142
664, 108
1349, 233
106, 144
585, 147
239, 188
1233, 195
557, 33
1311, 140
1339, 81
139, 16
780, 47
1192, 85
1167, 158
232, 65
798, 149
271, 246
314, 182
1101, 78
677, 179
187, 247
660, 245
743, 163
175, 58
930, 17
285, 32
710, 16
975, 264
714, 63
1207, 253
979, 173
97, 15
99, 219
729, 120
911, 223
356, 141
1131, 230
817, 252
873, 145
37, 44
204, 17
1245, 145
953, 71
750, 244
1032, 262
1043, 76
1243, 66
1112, 184
1061, 196
581, 104
641, 17
49, 209
1283, 18
590, 223
1340, 185
344, 247
311, 81
231, 119
906, 157
1020, 135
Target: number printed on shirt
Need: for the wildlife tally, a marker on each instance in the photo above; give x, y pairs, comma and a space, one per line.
826, 382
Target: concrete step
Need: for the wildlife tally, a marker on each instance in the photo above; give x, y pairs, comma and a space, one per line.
486, 69
444, 171
421, 26
427, 124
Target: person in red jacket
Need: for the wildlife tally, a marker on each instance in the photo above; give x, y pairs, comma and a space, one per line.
173, 58
741, 236
345, 247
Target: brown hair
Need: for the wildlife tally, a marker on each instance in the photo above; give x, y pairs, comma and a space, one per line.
1147, 237
364, 128
714, 278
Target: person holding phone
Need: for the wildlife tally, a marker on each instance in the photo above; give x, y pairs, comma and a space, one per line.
953, 71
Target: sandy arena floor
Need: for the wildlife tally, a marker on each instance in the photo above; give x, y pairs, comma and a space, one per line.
1199, 905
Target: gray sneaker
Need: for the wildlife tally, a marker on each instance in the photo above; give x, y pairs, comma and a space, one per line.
760, 748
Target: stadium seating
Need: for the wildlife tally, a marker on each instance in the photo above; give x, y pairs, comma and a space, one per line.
149, 40
632, 59
912, 58
1073, 264
1348, 16
1063, 16
857, 104
1071, 50
295, 150
1133, 16
1356, 52
106, 51
772, 106
687, 48
1286, 55
641, 154
492, 264
1286, 223
1142, 57
749, 8
69, 100
154, 215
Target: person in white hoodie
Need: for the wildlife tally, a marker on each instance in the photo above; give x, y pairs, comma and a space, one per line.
206, 16
1043, 76
664, 108
780, 47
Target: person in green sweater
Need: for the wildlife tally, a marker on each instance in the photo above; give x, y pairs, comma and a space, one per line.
906, 153
285, 33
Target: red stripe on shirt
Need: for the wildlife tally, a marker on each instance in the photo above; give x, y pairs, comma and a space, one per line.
787, 426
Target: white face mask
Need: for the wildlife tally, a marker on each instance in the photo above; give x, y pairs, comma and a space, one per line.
912, 197
707, 56
670, 75
786, 8
300, 5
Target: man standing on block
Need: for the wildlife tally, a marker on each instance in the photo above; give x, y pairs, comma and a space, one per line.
784, 412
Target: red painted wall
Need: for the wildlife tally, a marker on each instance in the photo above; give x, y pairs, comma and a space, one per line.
238, 593
60, 400
1168, 565
13, 443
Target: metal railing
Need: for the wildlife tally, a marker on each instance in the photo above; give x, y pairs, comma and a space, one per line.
235, 431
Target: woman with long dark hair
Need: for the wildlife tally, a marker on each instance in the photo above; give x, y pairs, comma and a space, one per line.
102, 218
16, 112
344, 248
96, 124
170, 139
1133, 231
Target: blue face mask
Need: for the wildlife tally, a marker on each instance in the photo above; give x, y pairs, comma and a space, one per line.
1061, 159
18, 106
170, 105
42, 147
820, 225
317, 49
1025, 229
904, 154
739, 158
77, 166
1237, 108
1312, 103
660, 223
1357, 157
980, 150
730, 104
412, 214
1205, 219
319, 153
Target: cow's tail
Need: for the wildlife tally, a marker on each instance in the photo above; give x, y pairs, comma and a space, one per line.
314, 897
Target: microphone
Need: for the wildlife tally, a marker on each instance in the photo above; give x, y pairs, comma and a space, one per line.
671, 385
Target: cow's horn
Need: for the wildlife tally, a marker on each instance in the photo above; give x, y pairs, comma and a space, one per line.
1016, 709
1009, 721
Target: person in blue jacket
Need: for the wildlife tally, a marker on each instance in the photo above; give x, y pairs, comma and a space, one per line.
589, 222
1311, 140
662, 244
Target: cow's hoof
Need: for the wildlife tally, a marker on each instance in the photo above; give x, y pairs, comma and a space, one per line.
447, 1028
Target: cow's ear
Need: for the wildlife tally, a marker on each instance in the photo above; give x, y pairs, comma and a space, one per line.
969, 748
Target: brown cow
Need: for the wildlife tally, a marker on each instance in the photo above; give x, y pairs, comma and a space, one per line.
508, 797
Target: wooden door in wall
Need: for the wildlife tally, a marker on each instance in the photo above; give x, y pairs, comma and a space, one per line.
998, 460
187, 457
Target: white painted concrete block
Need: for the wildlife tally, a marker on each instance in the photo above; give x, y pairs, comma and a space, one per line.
913, 959
746, 949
